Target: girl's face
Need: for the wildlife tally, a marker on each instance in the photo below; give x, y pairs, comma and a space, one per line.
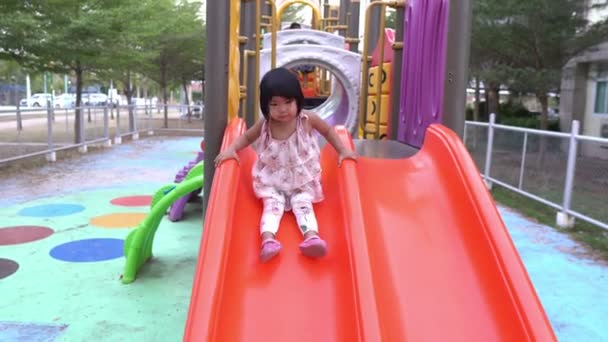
283, 109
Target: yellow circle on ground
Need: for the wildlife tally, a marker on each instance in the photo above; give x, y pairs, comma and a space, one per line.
120, 220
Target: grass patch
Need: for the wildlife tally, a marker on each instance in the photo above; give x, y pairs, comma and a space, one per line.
590, 235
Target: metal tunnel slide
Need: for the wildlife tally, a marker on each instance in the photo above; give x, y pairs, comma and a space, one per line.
417, 252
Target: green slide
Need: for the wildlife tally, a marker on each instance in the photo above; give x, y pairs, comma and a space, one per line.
138, 245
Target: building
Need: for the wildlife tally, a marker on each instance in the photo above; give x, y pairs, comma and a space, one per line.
584, 92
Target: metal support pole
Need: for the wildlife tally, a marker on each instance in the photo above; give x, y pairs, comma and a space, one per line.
396, 70
563, 219
19, 121
117, 134
488, 165
250, 99
149, 118
106, 126
457, 63
353, 25
135, 131
51, 156
81, 129
522, 167
374, 29
325, 14
247, 28
266, 10
216, 72
344, 8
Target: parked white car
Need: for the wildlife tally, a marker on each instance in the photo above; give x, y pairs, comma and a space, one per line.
36, 100
65, 101
94, 99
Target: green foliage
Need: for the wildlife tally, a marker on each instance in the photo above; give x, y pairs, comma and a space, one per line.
391, 17
513, 109
525, 43
294, 13
120, 40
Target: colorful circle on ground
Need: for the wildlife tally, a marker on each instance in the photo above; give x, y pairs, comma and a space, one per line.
118, 220
7, 267
89, 250
51, 210
132, 201
21, 234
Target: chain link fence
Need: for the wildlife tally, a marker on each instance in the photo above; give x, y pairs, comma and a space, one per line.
566, 171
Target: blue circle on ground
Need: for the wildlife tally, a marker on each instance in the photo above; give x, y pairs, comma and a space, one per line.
51, 210
89, 250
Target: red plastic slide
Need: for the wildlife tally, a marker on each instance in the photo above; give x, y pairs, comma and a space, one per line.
417, 252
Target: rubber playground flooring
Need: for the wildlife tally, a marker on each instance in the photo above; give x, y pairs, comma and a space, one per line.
62, 228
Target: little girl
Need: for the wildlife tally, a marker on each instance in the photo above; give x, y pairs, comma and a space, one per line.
287, 173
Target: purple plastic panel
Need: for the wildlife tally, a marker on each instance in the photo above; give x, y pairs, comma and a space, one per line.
424, 58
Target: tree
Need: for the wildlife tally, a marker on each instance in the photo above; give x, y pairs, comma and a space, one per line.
294, 13
59, 36
190, 41
391, 18
132, 46
527, 42
181, 46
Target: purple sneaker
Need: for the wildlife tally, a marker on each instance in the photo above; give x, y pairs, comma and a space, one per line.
270, 248
313, 247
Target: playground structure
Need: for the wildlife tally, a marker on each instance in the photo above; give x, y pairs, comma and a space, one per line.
419, 253
170, 199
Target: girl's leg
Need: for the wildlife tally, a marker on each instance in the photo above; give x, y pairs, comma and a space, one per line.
313, 245
269, 226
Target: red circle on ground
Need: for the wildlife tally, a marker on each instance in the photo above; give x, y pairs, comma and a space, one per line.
7, 267
132, 201
22, 234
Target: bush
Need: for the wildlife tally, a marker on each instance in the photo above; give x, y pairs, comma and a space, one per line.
483, 116
514, 110
526, 122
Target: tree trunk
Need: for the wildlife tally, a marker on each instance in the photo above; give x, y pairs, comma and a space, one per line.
542, 143
128, 88
163, 85
544, 112
476, 110
185, 86
492, 91
78, 138
131, 105
477, 100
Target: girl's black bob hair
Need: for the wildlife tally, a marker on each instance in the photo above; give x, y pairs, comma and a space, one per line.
280, 82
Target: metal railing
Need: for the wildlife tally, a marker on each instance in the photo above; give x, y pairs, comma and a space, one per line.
566, 171
27, 133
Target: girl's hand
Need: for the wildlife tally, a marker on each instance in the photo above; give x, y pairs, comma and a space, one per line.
229, 153
347, 154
